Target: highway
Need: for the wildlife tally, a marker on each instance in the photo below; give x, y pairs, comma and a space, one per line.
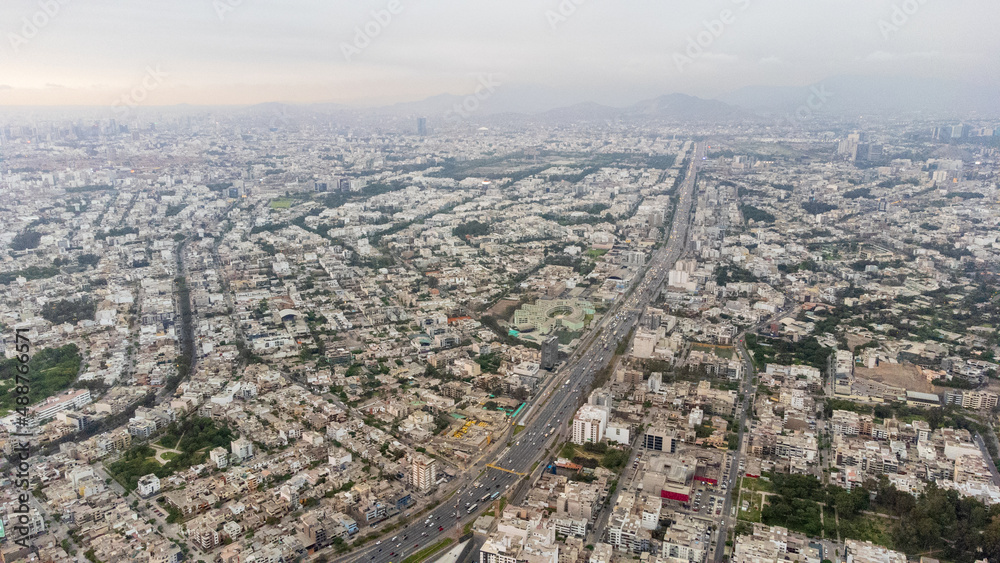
547, 418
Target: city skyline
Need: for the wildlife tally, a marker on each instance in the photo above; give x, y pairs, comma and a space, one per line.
553, 281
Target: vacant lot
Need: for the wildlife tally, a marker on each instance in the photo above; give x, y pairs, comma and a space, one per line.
725, 352
504, 309
903, 375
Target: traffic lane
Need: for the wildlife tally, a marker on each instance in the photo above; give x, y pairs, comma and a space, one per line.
524, 457
442, 516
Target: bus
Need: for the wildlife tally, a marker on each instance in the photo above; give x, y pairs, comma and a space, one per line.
471, 509
495, 495
485, 498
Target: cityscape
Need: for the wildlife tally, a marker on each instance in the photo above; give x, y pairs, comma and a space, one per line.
756, 324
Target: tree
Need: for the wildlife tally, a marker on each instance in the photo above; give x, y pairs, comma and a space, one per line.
66, 311
26, 240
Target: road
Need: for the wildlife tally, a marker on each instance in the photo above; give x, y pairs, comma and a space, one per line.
546, 419
749, 390
733, 473
989, 459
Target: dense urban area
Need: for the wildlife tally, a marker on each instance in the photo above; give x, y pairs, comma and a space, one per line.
253, 337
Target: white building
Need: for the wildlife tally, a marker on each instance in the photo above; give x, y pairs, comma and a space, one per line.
69, 400
149, 485
220, 457
242, 448
867, 552
644, 343
619, 432
589, 424
696, 417
423, 472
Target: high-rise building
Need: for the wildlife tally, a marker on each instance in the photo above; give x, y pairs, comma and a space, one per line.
242, 448
660, 439
589, 424
550, 352
423, 472
422, 126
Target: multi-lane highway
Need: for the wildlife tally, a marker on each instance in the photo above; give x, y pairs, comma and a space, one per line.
546, 418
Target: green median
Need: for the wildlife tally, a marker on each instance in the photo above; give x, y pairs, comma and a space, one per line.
428, 551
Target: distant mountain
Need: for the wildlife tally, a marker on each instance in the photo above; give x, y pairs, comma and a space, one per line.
882, 95
681, 107
584, 111
434, 105
519, 104
489, 97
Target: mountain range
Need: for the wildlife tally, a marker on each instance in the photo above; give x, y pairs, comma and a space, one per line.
842, 96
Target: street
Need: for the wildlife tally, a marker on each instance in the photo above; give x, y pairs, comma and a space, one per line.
549, 423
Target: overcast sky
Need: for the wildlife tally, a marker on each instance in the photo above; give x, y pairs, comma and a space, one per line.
617, 52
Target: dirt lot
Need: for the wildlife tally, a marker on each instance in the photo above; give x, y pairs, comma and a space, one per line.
904, 375
504, 309
854, 340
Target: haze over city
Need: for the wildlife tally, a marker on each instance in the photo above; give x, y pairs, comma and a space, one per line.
561, 281
229, 52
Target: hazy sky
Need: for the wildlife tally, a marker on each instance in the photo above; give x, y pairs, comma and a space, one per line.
248, 51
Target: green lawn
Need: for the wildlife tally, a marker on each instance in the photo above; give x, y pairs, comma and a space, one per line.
428, 551
866, 527
752, 514
518, 429
725, 352
829, 523
281, 203
568, 450
751, 484
565, 336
